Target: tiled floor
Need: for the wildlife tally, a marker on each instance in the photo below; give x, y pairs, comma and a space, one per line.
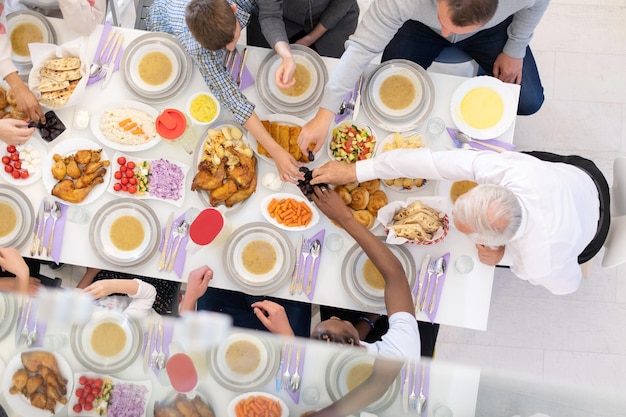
580, 46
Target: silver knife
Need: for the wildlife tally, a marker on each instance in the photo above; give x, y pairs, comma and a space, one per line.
35, 244
294, 276
405, 388
420, 280
279, 371
425, 287
166, 239
244, 55
146, 353
357, 100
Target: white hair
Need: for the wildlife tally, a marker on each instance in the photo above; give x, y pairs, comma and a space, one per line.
492, 212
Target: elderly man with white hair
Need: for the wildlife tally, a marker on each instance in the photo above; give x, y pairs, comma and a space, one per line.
540, 213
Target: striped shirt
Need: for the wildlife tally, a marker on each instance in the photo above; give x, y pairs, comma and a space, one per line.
169, 16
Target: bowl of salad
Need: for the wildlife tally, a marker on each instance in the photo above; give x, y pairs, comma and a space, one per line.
351, 142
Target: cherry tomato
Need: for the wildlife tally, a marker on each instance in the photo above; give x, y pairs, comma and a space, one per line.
90, 398
25, 174
95, 391
8, 168
77, 408
11, 149
81, 400
6, 160
123, 168
132, 189
124, 188
130, 165
87, 389
117, 186
97, 383
82, 380
132, 181
15, 156
124, 181
79, 392
16, 174
121, 160
88, 406
17, 165
117, 175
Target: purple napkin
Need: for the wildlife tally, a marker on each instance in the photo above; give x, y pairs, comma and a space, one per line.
246, 78
291, 363
57, 240
307, 266
340, 117
476, 142
179, 262
428, 291
33, 321
105, 33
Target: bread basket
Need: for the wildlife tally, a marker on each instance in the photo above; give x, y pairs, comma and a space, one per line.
386, 214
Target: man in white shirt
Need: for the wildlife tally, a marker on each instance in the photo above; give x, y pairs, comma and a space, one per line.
553, 210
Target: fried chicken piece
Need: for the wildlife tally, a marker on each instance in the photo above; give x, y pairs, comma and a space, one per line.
86, 156
33, 361
202, 409
222, 193
72, 168
209, 176
243, 172
242, 194
185, 407
92, 167
39, 400
33, 383
87, 179
67, 191
19, 380
55, 379
160, 411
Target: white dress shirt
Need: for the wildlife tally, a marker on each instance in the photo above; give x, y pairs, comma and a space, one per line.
560, 204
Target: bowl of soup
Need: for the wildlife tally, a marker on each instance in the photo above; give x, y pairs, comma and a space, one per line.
154, 68
305, 76
203, 108
397, 92
24, 29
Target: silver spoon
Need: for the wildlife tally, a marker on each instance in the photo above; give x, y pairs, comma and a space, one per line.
465, 138
32, 337
316, 248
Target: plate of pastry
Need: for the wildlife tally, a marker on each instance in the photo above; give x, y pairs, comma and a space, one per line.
365, 199
404, 140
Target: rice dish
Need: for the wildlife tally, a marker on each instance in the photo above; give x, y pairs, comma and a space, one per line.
127, 126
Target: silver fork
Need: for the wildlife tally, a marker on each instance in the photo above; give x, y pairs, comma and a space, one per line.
431, 270
180, 232
306, 251
413, 396
154, 355
287, 375
47, 210
56, 213
32, 336
294, 382
160, 360
26, 314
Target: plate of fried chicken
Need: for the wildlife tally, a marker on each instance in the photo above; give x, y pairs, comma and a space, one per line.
226, 167
76, 171
37, 383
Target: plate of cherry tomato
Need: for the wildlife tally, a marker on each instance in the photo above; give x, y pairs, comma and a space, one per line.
21, 164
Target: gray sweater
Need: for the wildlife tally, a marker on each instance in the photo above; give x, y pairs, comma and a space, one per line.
384, 17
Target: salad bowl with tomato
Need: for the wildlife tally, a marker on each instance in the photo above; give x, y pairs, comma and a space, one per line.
351, 142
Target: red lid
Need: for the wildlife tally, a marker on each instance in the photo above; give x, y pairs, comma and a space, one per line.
182, 372
206, 226
171, 124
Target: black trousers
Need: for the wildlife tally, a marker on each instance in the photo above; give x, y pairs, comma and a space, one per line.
604, 221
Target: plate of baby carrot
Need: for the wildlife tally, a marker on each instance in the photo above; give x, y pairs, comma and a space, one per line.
289, 212
257, 404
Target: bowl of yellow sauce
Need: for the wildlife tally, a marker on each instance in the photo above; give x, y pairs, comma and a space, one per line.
483, 107
203, 108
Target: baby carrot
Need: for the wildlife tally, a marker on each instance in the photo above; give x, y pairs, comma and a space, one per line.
124, 122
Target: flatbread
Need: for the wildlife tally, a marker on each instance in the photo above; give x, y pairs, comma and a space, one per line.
63, 64
56, 98
70, 75
48, 84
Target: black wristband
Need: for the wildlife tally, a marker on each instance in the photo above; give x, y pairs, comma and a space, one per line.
368, 321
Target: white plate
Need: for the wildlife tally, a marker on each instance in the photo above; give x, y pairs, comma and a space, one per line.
69, 147
139, 55
284, 119
380, 148
19, 19
95, 126
227, 371
25, 216
508, 115
281, 196
35, 174
383, 75
147, 196
284, 411
8, 314
18, 402
73, 400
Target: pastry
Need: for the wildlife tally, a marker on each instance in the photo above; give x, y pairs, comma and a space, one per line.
63, 64
378, 199
3, 98
360, 198
344, 194
351, 186
364, 217
11, 97
429, 223
414, 208
70, 75
411, 232
48, 84
370, 186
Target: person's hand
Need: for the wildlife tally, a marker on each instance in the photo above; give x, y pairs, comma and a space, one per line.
315, 131
26, 101
101, 288
273, 317
306, 40
507, 69
11, 260
334, 172
490, 256
331, 204
33, 285
197, 283
288, 167
14, 131
283, 77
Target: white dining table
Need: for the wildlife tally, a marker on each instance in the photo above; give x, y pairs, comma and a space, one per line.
465, 298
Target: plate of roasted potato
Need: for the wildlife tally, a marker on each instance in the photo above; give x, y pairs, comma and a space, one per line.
76, 171
404, 140
37, 383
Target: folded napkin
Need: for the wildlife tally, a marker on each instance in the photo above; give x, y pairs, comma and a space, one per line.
57, 240
246, 78
179, 262
291, 364
105, 33
476, 142
428, 291
307, 266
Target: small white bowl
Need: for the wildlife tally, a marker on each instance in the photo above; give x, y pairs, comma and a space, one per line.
193, 118
284, 411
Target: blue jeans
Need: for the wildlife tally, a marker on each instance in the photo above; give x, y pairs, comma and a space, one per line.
237, 305
420, 44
